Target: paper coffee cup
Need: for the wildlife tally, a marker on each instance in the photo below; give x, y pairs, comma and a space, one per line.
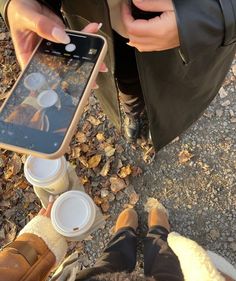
51, 175
73, 214
35, 81
47, 98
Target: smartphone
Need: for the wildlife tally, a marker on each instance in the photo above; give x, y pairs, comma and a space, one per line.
140, 14
42, 111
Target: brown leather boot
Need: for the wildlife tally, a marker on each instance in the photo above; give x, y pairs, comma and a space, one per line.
158, 215
127, 218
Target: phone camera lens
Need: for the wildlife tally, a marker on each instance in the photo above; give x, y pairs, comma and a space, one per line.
70, 47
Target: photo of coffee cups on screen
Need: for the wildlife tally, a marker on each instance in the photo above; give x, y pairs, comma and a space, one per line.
48, 94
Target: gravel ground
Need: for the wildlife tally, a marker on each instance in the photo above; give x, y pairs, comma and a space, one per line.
200, 193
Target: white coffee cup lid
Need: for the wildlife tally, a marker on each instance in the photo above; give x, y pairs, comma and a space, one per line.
73, 213
34, 81
47, 98
41, 171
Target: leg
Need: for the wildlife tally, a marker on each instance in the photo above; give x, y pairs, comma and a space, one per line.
127, 76
129, 85
159, 260
120, 254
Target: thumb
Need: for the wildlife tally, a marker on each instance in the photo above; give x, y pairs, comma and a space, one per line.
45, 27
154, 5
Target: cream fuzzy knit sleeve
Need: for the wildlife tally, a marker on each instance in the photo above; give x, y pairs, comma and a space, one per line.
194, 261
42, 227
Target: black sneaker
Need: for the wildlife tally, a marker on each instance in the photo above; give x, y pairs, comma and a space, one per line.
132, 128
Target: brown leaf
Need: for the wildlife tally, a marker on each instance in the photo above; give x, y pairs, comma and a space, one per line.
83, 161
94, 121
117, 184
75, 152
136, 171
94, 161
84, 147
100, 137
81, 137
13, 166
184, 156
105, 206
83, 180
105, 169
10, 232
125, 171
134, 197
109, 150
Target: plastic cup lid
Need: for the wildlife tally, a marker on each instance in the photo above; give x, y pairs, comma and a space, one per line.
47, 98
38, 170
34, 81
73, 213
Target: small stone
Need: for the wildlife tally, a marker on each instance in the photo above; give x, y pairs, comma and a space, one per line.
215, 234
104, 193
233, 246
231, 112
233, 120
225, 103
231, 239
219, 112
223, 93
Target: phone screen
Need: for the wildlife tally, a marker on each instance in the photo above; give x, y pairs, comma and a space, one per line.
43, 103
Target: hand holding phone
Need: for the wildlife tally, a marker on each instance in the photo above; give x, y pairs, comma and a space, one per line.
44, 107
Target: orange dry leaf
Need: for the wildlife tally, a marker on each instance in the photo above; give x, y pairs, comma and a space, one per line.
94, 121
184, 156
125, 171
80, 137
100, 137
94, 161
83, 180
109, 150
117, 184
106, 168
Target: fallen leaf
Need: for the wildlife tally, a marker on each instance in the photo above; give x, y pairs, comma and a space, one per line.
94, 161
84, 147
100, 137
105, 169
134, 197
184, 156
94, 121
81, 137
109, 150
13, 166
75, 152
117, 183
83, 180
83, 161
105, 206
125, 171
136, 171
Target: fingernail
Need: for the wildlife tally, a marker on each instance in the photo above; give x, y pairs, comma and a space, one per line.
95, 86
51, 198
104, 70
99, 26
60, 35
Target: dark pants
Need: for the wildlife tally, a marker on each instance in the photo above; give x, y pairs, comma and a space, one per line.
126, 73
120, 255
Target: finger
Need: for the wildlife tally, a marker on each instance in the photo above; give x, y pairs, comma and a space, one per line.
92, 27
154, 5
95, 86
103, 68
44, 26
